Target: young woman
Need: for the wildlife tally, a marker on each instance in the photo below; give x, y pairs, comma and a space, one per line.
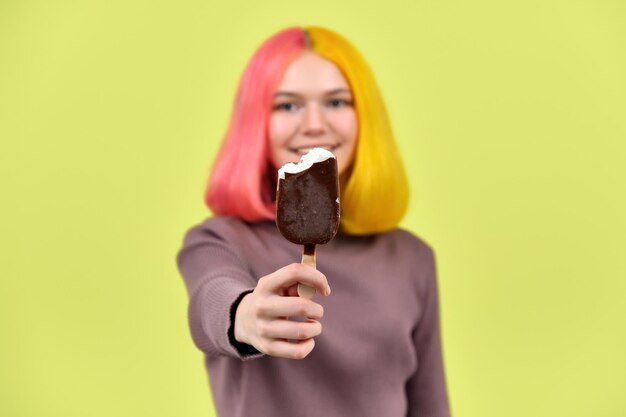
372, 347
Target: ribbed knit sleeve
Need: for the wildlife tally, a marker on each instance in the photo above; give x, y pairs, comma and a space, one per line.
217, 277
426, 391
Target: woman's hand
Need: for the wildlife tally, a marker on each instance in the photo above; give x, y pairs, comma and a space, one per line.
261, 317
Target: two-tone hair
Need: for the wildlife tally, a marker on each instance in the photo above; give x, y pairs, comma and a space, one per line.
374, 197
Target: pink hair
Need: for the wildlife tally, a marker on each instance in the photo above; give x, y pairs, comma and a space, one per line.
240, 183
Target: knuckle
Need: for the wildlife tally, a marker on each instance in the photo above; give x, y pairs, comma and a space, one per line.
293, 268
263, 308
262, 282
270, 349
262, 329
318, 329
301, 306
300, 354
303, 350
302, 330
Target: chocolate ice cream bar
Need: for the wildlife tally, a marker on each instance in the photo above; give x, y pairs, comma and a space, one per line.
307, 202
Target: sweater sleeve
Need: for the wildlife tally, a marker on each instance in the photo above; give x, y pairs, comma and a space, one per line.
217, 277
426, 390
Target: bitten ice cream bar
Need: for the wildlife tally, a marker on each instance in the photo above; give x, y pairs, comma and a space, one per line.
307, 204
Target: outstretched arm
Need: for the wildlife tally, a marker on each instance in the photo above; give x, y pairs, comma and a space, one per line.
231, 313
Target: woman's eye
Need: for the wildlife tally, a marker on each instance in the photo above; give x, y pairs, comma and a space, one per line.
286, 106
339, 102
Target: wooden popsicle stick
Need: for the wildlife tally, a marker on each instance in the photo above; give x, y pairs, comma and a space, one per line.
308, 258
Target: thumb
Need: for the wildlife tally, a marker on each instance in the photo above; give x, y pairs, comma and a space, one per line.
291, 291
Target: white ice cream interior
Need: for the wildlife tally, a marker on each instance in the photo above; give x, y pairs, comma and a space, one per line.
306, 161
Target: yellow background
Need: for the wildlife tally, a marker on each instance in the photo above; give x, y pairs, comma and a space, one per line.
511, 116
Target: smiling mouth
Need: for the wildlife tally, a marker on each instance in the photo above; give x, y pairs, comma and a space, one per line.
303, 150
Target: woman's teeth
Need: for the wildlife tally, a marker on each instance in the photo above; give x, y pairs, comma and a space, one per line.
303, 151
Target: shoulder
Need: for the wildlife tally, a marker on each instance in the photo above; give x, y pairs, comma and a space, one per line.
235, 234
219, 227
407, 258
414, 252
214, 242
224, 224
410, 238
397, 247
420, 255
394, 245
407, 243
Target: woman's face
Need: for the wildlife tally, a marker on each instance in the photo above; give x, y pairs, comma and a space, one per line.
313, 107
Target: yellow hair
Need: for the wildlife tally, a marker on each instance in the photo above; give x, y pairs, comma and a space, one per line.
376, 195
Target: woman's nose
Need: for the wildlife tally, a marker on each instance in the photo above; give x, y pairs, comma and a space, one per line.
314, 123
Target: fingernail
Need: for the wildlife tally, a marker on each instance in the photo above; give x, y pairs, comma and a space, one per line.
328, 290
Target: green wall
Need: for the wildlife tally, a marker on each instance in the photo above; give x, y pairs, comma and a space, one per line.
511, 116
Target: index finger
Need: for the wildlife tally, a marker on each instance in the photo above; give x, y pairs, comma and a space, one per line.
294, 274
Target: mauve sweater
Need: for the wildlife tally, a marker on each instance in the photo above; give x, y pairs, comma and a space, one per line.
379, 353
